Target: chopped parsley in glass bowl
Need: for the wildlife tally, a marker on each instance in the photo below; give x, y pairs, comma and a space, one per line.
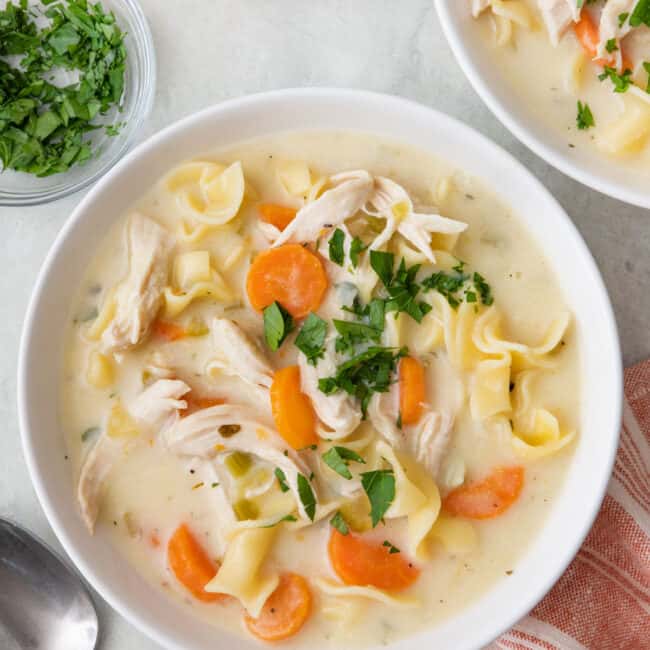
77, 81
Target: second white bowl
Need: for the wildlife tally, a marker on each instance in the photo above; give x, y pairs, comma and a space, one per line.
512, 109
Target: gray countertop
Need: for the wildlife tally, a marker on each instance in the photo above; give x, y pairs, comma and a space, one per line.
211, 50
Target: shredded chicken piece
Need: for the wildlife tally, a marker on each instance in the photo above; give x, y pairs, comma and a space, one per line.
337, 412
159, 401
157, 406
392, 201
139, 296
95, 471
348, 195
428, 440
209, 432
558, 16
238, 355
383, 411
610, 28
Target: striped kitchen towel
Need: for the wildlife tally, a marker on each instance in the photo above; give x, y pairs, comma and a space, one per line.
602, 602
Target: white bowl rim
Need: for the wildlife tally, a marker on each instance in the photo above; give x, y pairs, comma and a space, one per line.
552, 156
528, 602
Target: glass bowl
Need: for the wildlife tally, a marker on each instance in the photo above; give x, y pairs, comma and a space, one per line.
19, 188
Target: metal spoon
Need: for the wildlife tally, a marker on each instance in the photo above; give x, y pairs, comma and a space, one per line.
43, 603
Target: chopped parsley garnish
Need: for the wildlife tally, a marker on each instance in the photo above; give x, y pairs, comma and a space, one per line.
277, 325
307, 497
584, 118
611, 45
364, 374
621, 81
353, 333
379, 486
453, 286
646, 67
336, 248
338, 458
401, 286
367, 328
282, 479
448, 284
391, 548
43, 125
641, 14
311, 338
338, 522
484, 289
622, 18
356, 248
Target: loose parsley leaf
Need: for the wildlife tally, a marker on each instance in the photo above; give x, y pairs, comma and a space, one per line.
401, 286
376, 313
622, 18
584, 117
337, 252
641, 14
277, 325
382, 263
403, 291
307, 497
337, 459
447, 284
484, 289
353, 333
356, 248
391, 549
311, 338
338, 522
379, 486
646, 67
282, 479
621, 81
611, 45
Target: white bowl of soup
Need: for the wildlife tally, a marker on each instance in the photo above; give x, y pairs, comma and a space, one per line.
570, 80
305, 367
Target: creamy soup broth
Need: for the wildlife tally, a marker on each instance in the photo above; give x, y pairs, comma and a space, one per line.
150, 491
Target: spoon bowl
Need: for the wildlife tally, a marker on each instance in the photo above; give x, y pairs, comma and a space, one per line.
44, 605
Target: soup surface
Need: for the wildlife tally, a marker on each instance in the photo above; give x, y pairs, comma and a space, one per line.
309, 391
583, 71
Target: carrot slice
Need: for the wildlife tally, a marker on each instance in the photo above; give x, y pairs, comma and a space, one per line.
292, 411
191, 564
290, 274
359, 562
278, 215
285, 610
412, 389
487, 498
169, 331
588, 34
198, 402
